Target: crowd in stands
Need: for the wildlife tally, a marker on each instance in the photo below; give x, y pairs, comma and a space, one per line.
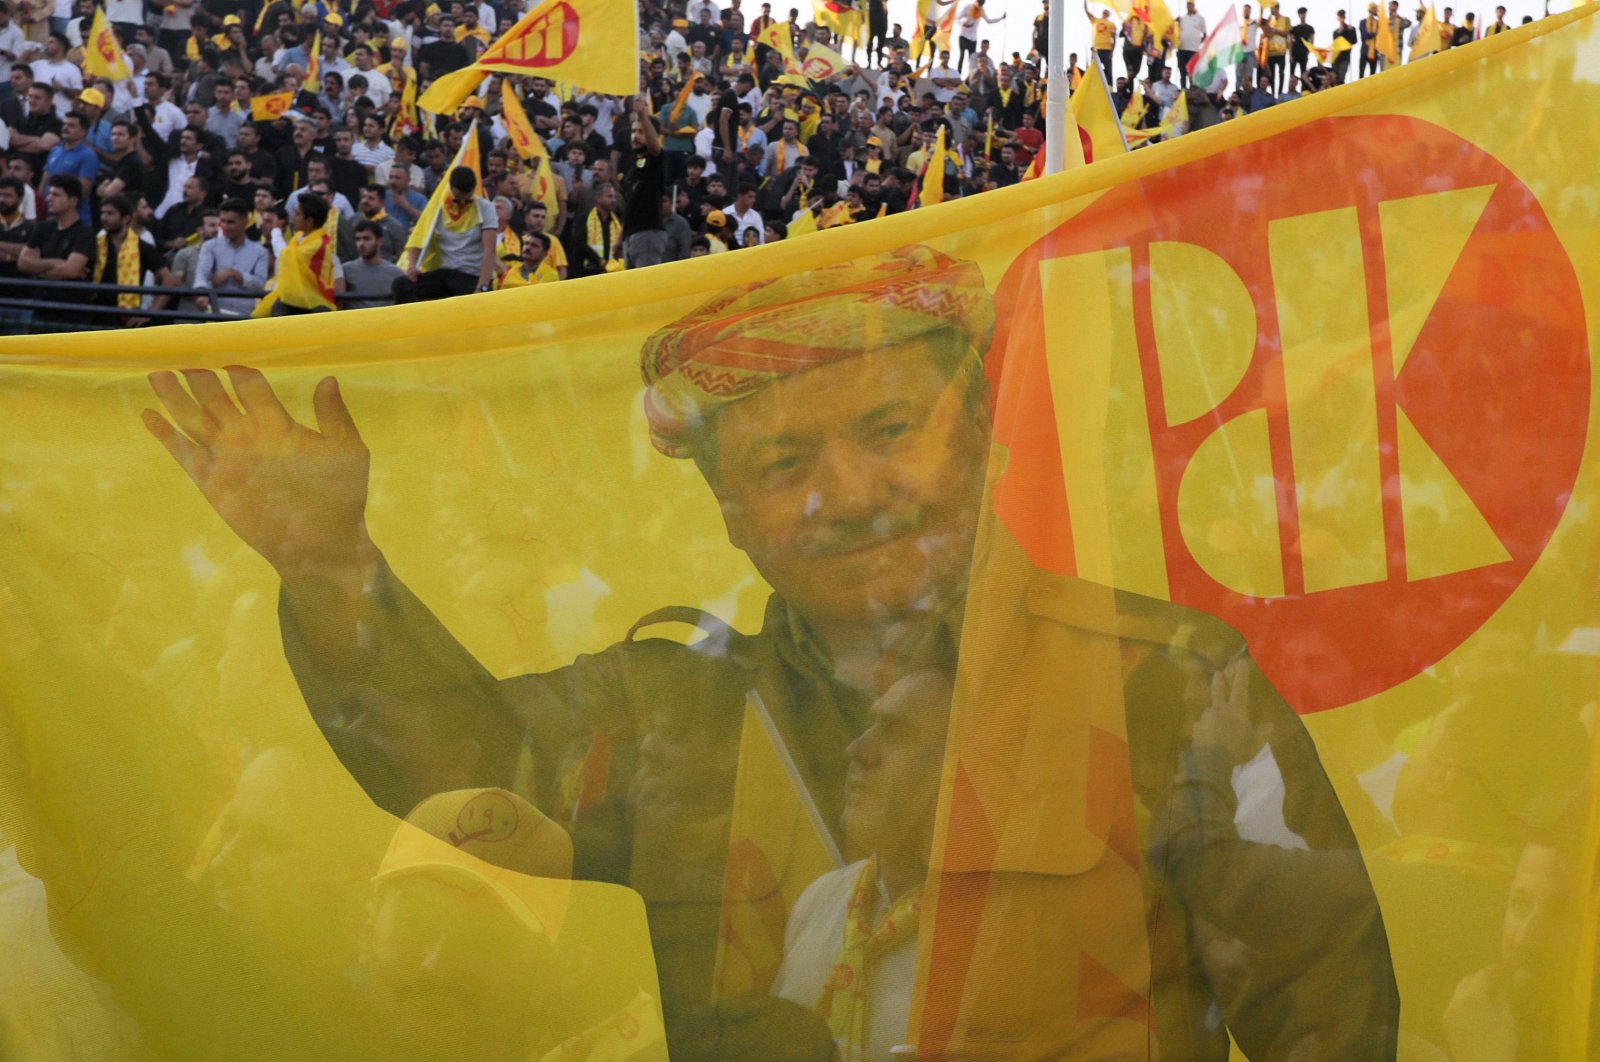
200, 169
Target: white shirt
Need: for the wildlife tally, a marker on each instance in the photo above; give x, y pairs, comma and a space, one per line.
487, 18
63, 74
378, 87
811, 946
1191, 31
940, 93
167, 119
371, 157
675, 46
751, 219
697, 6
12, 41
130, 11
178, 171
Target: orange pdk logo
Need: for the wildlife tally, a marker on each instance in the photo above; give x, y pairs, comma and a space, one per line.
1340, 406
547, 41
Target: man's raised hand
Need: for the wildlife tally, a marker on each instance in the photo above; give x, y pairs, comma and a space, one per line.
296, 496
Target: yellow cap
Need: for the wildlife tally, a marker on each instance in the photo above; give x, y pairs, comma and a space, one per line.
473, 101
93, 97
333, 18
231, 20
717, 219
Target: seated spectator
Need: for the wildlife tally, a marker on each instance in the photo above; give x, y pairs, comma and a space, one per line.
534, 268
14, 227
177, 228
185, 269
372, 209
368, 274
73, 157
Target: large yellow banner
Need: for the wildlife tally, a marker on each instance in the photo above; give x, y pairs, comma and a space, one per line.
1171, 584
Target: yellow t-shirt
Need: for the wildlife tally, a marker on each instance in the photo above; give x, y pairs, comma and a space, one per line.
517, 276
1278, 41
1104, 34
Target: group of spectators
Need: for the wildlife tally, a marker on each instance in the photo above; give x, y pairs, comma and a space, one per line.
1280, 59
194, 172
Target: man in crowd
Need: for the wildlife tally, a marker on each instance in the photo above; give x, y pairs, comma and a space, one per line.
457, 256
370, 274
231, 261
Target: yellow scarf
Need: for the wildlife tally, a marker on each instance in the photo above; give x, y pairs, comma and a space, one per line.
381, 215
509, 244
602, 241
458, 218
844, 999
128, 271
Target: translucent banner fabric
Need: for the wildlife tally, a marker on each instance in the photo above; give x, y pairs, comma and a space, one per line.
1145, 613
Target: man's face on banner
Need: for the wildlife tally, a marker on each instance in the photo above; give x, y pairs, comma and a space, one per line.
854, 487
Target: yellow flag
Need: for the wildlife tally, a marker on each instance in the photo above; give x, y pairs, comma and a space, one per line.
102, 53
1387, 47
775, 35
804, 222
1133, 113
1427, 36
408, 119
1271, 718
529, 144
933, 172
564, 40
778, 844
269, 107
1097, 117
432, 215
822, 63
313, 82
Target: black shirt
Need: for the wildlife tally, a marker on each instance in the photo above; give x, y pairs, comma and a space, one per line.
443, 57
150, 261
17, 233
52, 241
38, 125
132, 173
641, 194
1301, 35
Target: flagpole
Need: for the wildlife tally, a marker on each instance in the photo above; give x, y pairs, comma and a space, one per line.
1056, 91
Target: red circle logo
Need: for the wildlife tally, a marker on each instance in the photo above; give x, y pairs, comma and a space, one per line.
1332, 388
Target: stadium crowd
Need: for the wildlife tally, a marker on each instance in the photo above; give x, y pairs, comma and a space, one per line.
199, 170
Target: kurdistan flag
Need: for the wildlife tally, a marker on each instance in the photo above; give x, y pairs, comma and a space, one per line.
1257, 520
1219, 56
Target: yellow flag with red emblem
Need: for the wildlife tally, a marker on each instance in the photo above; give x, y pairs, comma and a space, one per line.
574, 41
102, 52
271, 106
523, 137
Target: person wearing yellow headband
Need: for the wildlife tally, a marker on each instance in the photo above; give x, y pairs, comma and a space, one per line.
841, 419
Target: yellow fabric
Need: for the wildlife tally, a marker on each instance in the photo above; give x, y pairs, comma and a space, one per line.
305, 274
268, 107
434, 212
523, 137
844, 1001
1346, 417
518, 277
604, 238
128, 272
933, 172
565, 41
102, 52
1093, 111
1428, 36
777, 846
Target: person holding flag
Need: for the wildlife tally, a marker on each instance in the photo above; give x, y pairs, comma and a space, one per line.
309, 273
451, 250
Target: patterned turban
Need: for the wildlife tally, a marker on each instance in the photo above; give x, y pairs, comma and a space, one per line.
746, 338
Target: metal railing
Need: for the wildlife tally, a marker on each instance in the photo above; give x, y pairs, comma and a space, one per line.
24, 313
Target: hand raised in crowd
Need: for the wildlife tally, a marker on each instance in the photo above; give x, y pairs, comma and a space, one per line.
296, 496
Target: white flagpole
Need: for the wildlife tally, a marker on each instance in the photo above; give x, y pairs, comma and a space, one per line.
1056, 91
